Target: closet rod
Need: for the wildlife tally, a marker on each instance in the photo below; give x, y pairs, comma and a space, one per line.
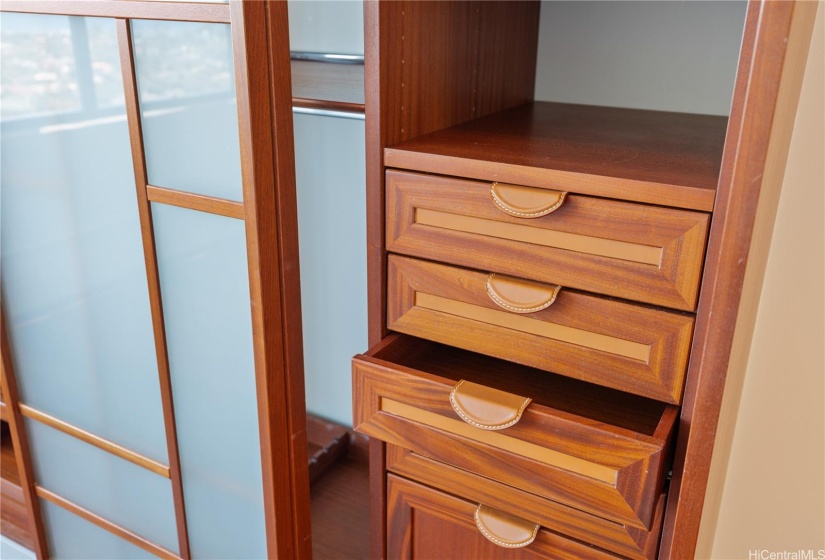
334, 58
328, 113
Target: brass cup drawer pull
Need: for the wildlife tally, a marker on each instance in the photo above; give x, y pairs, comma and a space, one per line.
503, 529
520, 296
525, 202
486, 408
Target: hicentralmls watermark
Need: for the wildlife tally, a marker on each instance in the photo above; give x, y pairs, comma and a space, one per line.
765, 554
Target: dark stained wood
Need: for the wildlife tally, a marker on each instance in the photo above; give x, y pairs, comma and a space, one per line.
20, 443
425, 524
628, 347
431, 65
601, 468
378, 499
621, 539
776, 40
202, 203
627, 250
107, 525
670, 159
263, 85
132, 105
14, 521
327, 442
340, 511
328, 85
138, 9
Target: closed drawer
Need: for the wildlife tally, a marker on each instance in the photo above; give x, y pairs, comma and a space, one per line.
589, 447
424, 524
627, 250
626, 346
629, 542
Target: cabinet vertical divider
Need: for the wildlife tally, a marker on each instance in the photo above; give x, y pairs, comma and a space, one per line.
127, 65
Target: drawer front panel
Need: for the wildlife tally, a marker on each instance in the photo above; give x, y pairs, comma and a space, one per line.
632, 251
625, 346
589, 465
445, 527
621, 539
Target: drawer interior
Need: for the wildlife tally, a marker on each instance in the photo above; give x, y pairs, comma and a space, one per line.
592, 402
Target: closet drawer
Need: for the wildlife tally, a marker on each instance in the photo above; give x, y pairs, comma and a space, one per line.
626, 346
449, 527
622, 249
629, 542
592, 448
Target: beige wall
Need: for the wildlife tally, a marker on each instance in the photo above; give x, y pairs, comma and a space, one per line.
774, 493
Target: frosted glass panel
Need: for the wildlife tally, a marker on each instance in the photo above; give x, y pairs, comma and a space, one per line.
205, 290
73, 275
326, 26
332, 235
105, 484
73, 538
187, 96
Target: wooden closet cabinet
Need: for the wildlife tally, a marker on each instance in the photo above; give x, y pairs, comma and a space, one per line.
553, 288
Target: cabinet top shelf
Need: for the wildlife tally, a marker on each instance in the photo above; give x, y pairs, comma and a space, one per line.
671, 159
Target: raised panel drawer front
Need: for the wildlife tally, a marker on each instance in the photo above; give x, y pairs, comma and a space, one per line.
589, 447
622, 249
628, 542
626, 346
423, 524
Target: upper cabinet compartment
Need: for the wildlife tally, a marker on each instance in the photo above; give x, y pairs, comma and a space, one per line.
630, 100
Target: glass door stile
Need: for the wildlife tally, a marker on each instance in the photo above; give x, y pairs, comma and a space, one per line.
196, 296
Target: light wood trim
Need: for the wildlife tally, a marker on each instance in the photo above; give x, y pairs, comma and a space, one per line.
776, 41
562, 333
107, 525
526, 233
127, 65
97, 441
263, 84
502, 441
135, 9
202, 203
20, 440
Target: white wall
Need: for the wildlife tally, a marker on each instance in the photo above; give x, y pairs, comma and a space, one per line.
669, 56
774, 493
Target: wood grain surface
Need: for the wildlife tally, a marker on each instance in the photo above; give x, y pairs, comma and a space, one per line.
623, 467
626, 541
628, 347
326, 85
424, 524
670, 159
587, 243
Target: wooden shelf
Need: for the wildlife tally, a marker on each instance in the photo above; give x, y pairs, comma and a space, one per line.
670, 159
14, 523
327, 85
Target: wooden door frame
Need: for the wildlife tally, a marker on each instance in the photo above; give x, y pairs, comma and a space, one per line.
260, 42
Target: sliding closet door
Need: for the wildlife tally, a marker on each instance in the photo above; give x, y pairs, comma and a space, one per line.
150, 358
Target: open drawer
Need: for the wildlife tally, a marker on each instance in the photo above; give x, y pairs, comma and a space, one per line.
589, 447
626, 346
622, 249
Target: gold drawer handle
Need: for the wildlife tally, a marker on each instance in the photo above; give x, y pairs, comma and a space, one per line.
525, 202
486, 408
520, 296
504, 529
